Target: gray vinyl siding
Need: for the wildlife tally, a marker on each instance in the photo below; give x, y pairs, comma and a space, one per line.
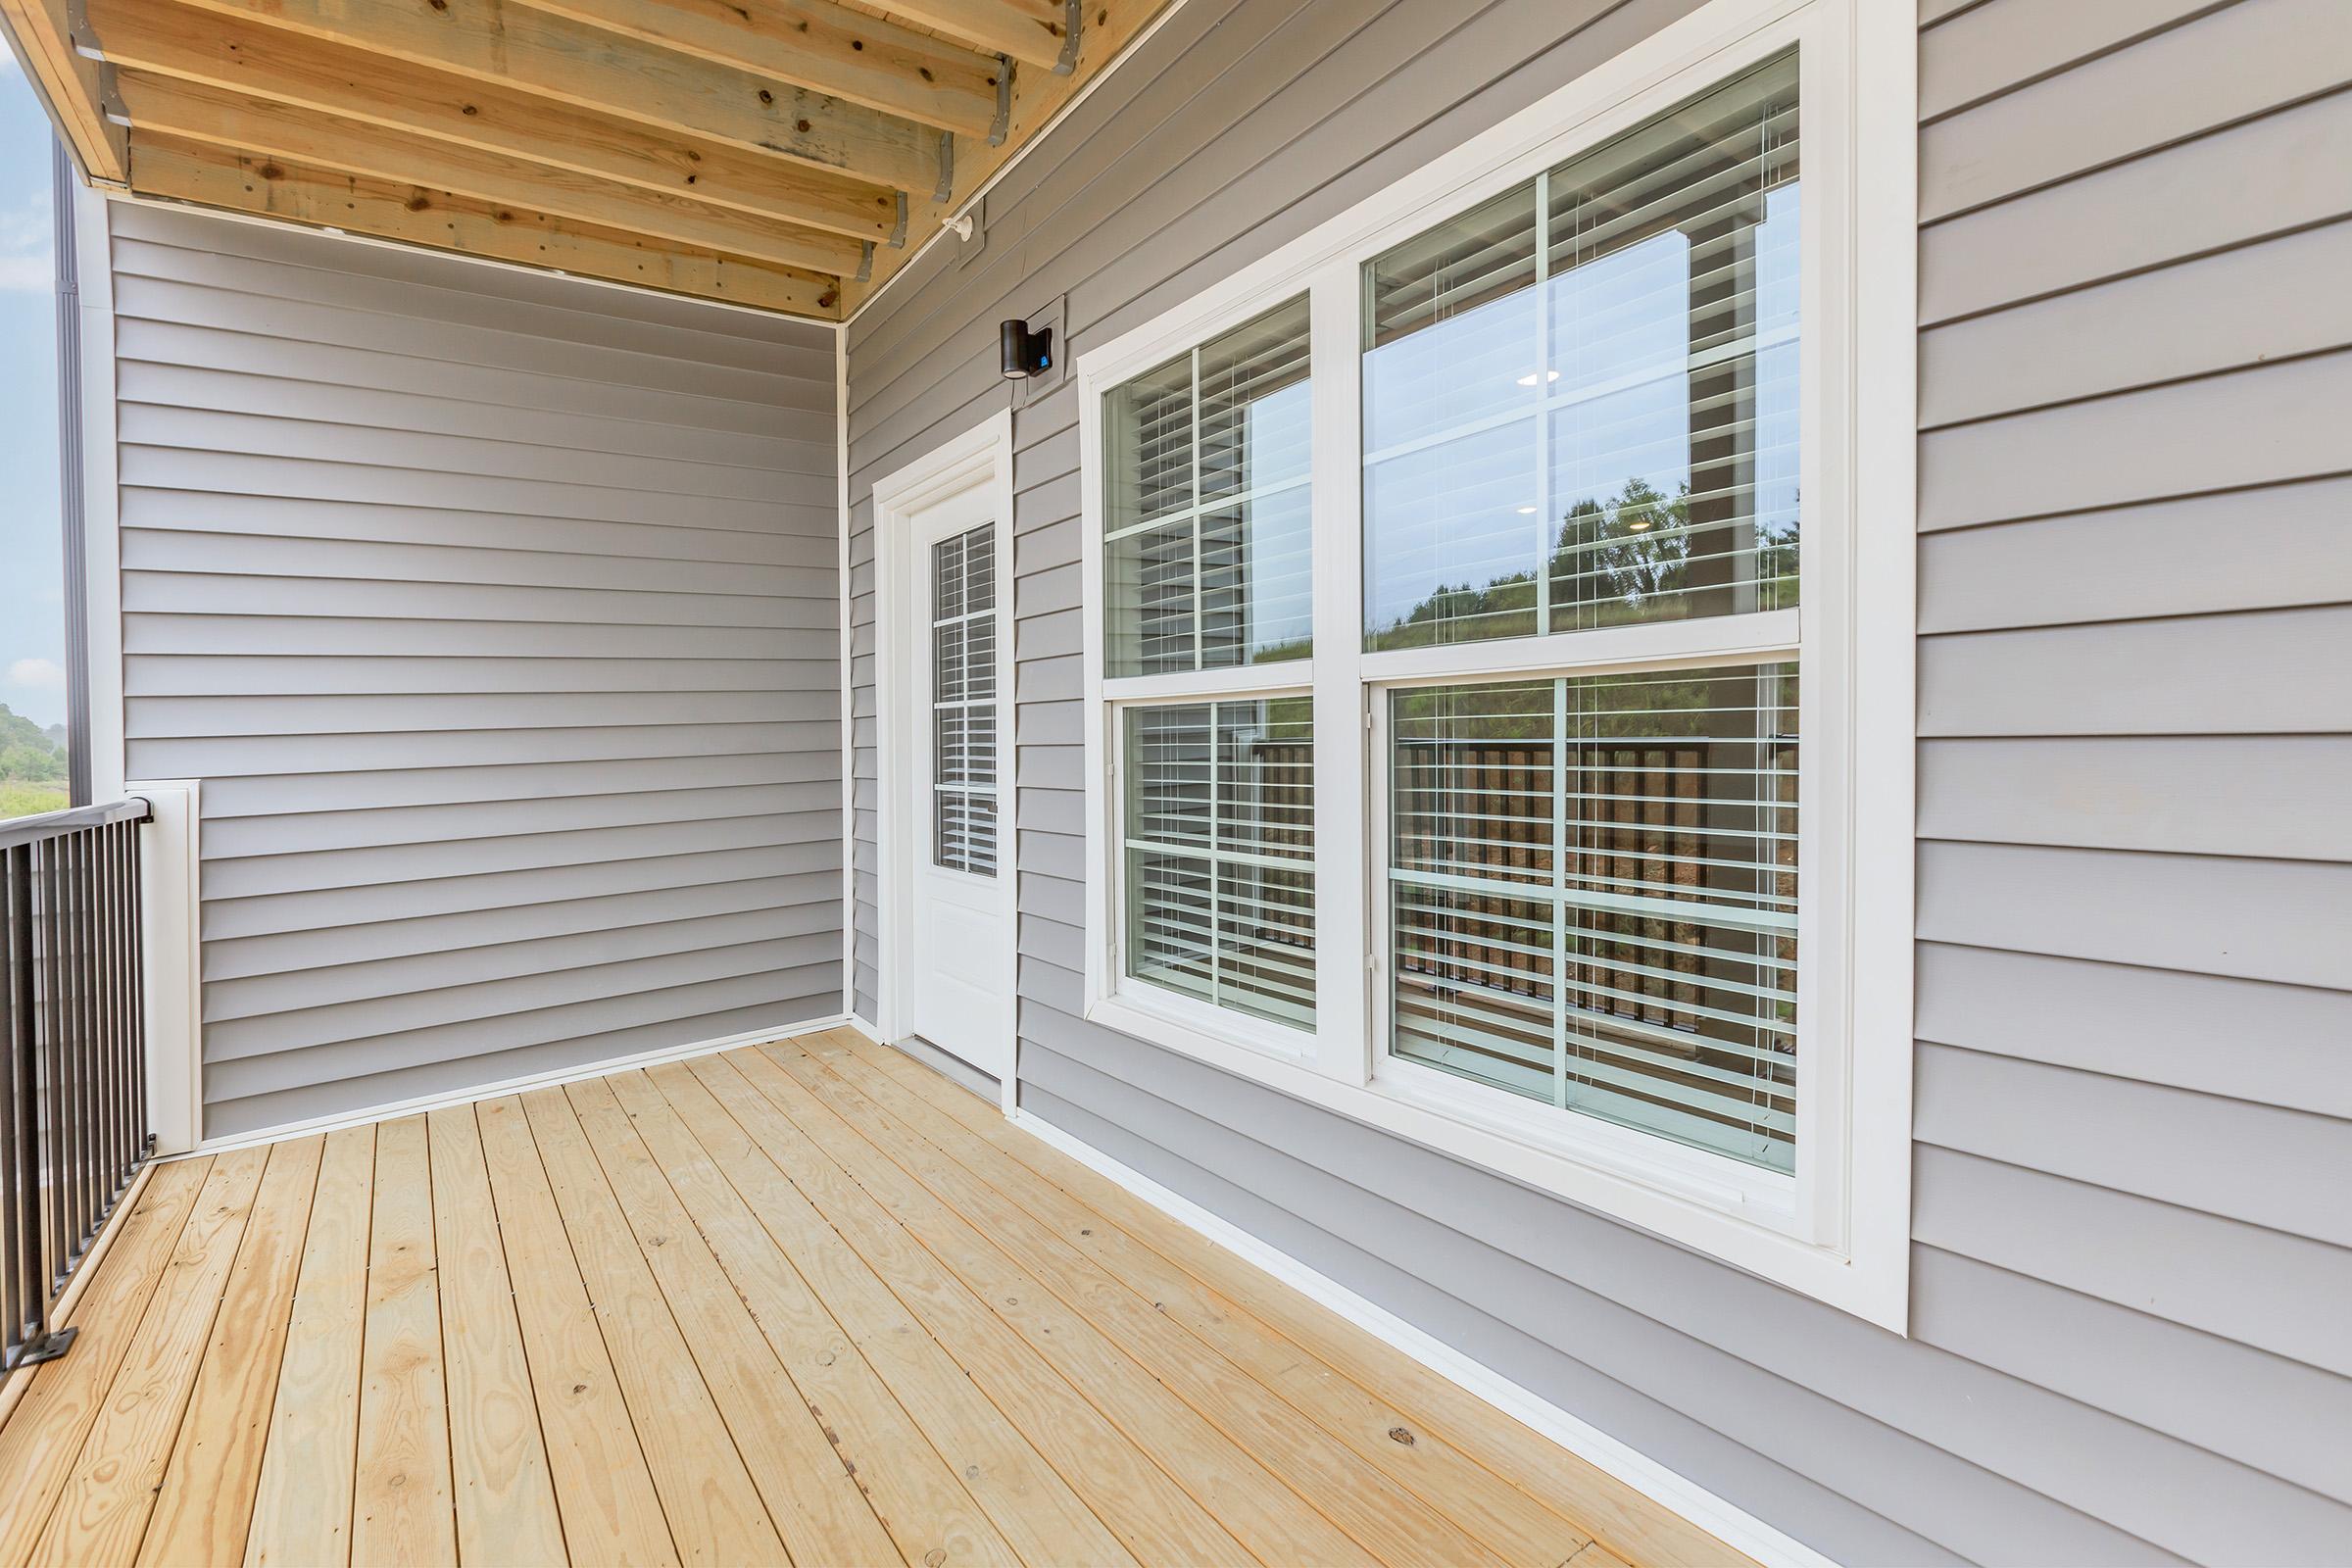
2134, 1126
499, 616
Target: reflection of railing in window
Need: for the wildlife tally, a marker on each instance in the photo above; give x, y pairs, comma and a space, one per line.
1281, 802
1693, 1010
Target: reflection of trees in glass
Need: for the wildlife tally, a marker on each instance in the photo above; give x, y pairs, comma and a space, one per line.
1625, 559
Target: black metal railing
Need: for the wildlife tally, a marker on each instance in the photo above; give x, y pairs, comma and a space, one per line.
73, 1131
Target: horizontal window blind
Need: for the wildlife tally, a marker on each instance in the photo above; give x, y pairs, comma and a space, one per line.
1220, 883
1581, 398
1592, 896
963, 702
1207, 511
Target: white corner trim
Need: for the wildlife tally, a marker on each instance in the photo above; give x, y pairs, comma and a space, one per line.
517, 1086
1729, 1523
101, 497
169, 873
843, 686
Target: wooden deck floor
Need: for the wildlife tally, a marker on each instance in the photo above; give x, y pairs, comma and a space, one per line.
808, 1303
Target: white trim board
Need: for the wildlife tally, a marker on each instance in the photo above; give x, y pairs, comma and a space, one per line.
171, 913
512, 1086
1732, 1524
101, 492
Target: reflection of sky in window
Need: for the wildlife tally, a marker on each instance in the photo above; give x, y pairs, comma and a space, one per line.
1277, 576
1460, 512
1777, 291
32, 629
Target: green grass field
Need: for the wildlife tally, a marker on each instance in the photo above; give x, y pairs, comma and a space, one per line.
18, 799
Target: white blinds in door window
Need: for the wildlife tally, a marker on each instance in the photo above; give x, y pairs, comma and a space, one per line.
963, 702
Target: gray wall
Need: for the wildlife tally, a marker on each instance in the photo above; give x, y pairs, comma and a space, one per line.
499, 616
2135, 1068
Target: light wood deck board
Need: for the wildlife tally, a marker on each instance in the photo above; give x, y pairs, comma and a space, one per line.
809, 1303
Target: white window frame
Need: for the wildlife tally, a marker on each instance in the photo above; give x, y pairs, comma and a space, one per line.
1838, 1229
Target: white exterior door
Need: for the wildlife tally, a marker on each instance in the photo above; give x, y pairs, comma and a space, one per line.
954, 978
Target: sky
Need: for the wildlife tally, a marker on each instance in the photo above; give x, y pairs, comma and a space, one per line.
33, 630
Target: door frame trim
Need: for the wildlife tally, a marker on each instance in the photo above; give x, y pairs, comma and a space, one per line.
981, 456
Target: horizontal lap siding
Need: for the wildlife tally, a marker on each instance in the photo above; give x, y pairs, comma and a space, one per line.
2134, 1123
497, 614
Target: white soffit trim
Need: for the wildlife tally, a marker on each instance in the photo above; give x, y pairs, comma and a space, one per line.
1732, 1524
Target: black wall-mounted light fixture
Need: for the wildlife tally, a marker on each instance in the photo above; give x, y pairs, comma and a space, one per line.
1023, 353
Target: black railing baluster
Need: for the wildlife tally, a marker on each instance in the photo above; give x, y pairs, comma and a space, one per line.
72, 1035
19, 1172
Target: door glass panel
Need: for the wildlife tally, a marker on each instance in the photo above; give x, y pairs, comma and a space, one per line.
963, 702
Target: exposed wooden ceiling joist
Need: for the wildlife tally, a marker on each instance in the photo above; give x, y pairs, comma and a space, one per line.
1036, 31
1107, 27
174, 41
815, 44
71, 84
242, 182
783, 154
241, 122
554, 57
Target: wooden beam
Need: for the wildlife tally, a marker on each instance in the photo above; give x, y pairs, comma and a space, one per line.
198, 112
1029, 30
69, 83
246, 182
514, 46
816, 44
1036, 97
172, 41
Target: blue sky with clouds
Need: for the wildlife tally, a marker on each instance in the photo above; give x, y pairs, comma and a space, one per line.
33, 632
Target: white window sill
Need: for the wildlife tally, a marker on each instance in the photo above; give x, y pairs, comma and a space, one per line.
1741, 1214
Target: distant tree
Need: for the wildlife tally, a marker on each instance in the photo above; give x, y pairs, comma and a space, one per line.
26, 752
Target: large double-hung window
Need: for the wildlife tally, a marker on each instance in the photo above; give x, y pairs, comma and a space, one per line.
1484, 731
